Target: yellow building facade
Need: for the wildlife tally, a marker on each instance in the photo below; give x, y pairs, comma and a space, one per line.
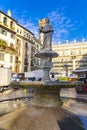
71, 56
16, 43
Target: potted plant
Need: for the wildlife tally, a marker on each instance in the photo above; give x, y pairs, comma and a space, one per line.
2, 44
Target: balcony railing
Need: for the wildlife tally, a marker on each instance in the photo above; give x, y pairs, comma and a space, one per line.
5, 48
10, 50
12, 27
5, 24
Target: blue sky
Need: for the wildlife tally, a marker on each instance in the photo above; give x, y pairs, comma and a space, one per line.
68, 17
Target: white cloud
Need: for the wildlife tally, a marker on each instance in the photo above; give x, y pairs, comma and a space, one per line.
29, 25
61, 24
26, 22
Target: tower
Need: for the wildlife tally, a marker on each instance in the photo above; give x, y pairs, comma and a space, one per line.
9, 13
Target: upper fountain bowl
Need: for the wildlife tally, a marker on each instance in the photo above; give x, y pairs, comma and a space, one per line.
46, 53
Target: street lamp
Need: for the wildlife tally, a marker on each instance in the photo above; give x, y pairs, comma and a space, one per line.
73, 57
66, 68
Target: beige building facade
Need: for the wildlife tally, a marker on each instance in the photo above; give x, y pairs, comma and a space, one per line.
16, 43
71, 56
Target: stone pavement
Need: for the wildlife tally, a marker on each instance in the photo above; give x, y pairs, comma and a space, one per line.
14, 94
38, 118
31, 118
22, 93
71, 93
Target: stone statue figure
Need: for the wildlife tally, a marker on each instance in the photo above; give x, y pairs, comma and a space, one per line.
46, 29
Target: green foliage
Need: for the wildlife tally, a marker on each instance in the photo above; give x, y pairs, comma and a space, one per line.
12, 27
6, 24
2, 43
8, 49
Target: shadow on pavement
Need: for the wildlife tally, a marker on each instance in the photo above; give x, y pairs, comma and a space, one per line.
70, 123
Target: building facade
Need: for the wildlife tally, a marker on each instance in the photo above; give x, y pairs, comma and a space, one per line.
71, 56
17, 45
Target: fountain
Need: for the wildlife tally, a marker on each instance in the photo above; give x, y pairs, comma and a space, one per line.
43, 112
47, 94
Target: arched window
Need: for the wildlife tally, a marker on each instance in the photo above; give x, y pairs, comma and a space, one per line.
11, 24
5, 20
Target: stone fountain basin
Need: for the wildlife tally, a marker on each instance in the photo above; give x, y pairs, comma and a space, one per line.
42, 84
35, 117
46, 94
46, 53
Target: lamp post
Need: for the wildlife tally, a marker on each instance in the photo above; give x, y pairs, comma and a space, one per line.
74, 62
66, 68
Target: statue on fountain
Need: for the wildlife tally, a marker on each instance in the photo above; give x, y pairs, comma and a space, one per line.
46, 29
46, 54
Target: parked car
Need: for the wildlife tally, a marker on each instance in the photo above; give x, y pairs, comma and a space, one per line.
82, 88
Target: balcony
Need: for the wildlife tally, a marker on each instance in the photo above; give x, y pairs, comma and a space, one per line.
5, 48
10, 50
5, 24
3, 45
12, 27
2, 49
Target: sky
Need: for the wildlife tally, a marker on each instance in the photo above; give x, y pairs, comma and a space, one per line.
67, 17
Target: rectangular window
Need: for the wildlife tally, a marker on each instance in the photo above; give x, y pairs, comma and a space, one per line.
63, 53
29, 36
11, 59
20, 32
5, 20
2, 56
79, 51
12, 45
17, 30
12, 36
4, 32
24, 34
11, 23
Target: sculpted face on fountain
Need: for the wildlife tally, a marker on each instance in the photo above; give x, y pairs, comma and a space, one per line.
46, 29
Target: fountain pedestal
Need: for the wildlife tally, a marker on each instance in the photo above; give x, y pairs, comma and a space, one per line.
46, 62
47, 96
